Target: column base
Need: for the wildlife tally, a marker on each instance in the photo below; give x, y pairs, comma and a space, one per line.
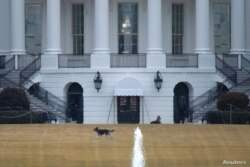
4, 52
154, 51
18, 52
101, 51
203, 51
237, 51
53, 51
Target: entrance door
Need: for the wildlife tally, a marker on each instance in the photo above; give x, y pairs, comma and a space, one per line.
128, 109
181, 103
75, 103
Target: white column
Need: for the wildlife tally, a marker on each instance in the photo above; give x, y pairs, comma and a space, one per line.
53, 27
202, 26
154, 27
206, 59
248, 27
101, 26
53, 40
155, 56
17, 27
101, 56
238, 26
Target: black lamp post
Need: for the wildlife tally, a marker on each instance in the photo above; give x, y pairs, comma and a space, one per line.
158, 80
98, 81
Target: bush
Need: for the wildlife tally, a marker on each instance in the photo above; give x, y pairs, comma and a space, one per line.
21, 117
224, 117
14, 98
237, 99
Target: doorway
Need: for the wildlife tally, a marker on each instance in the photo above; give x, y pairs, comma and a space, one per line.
75, 103
128, 109
181, 103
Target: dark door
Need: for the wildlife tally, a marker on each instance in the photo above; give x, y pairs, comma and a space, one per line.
75, 103
128, 109
181, 103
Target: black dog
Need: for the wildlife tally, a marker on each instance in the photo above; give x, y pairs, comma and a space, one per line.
101, 132
157, 121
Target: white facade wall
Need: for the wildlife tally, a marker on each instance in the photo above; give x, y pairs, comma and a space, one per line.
97, 104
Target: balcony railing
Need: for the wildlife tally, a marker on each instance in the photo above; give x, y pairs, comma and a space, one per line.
231, 60
30, 69
226, 69
2, 61
186, 60
73, 61
245, 62
128, 60
25, 60
6, 65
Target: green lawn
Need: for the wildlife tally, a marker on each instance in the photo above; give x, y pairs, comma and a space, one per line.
164, 145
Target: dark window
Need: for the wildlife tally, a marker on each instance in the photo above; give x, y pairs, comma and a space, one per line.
33, 28
177, 28
78, 28
222, 28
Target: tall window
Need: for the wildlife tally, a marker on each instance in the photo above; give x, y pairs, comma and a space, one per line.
128, 28
33, 28
222, 28
78, 28
177, 28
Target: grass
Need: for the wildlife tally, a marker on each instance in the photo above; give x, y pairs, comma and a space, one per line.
164, 145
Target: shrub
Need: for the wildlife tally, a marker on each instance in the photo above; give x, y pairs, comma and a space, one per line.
14, 98
225, 117
237, 99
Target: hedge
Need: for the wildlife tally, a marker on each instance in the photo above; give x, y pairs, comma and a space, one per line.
14, 98
223, 117
22, 117
237, 99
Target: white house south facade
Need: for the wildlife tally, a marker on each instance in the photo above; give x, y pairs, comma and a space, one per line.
101, 58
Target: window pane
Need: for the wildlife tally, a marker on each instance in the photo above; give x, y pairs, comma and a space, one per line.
222, 31
127, 27
78, 28
33, 28
177, 28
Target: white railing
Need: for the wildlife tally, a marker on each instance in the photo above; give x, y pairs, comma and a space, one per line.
24, 60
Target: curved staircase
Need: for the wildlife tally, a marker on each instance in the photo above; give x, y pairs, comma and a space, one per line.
41, 100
